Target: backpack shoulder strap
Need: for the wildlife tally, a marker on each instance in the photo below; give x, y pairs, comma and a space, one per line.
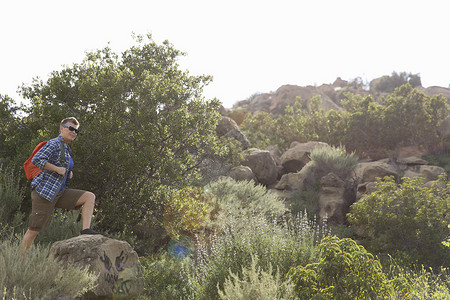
63, 154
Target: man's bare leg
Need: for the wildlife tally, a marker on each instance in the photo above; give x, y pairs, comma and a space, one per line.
29, 238
87, 201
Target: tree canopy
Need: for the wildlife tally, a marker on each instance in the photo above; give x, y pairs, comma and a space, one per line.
145, 125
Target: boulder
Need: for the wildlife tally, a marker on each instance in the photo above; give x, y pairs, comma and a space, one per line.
332, 203
228, 127
411, 161
242, 173
291, 182
276, 102
368, 171
118, 266
427, 172
262, 164
276, 154
297, 156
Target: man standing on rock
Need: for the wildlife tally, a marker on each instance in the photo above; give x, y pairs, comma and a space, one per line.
49, 189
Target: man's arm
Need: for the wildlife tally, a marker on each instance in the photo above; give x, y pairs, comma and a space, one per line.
40, 159
60, 170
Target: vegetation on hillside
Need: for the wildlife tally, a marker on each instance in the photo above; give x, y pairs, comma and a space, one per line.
404, 118
146, 131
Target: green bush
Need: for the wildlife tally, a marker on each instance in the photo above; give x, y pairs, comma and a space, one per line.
186, 211
408, 220
33, 275
441, 159
344, 271
244, 198
11, 196
333, 159
166, 278
281, 244
256, 284
419, 283
305, 201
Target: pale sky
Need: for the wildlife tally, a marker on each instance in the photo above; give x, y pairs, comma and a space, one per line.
247, 46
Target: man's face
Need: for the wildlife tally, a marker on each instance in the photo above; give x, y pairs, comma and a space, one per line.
69, 131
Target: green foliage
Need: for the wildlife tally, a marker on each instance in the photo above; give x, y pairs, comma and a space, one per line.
186, 211
305, 124
12, 131
419, 283
334, 159
439, 159
144, 123
406, 117
11, 196
33, 275
290, 242
255, 284
244, 198
166, 278
408, 221
305, 201
344, 271
412, 118
388, 84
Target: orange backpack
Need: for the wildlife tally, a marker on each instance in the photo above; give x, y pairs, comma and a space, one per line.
31, 170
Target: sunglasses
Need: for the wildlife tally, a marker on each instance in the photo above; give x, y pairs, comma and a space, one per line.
71, 128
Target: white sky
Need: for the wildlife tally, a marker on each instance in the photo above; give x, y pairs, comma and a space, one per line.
247, 46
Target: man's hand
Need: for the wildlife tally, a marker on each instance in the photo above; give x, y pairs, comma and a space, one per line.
60, 170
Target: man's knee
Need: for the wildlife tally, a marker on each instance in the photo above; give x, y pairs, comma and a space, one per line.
88, 198
91, 197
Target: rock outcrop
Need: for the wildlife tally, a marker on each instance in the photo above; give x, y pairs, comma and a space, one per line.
228, 127
336, 194
262, 164
116, 263
276, 102
297, 156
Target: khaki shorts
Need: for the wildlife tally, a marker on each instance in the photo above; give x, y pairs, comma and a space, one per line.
42, 209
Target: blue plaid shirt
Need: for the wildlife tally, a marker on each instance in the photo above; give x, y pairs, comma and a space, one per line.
49, 183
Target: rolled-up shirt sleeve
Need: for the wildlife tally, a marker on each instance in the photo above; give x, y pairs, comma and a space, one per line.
43, 155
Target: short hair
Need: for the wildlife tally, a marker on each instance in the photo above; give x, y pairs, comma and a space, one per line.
70, 120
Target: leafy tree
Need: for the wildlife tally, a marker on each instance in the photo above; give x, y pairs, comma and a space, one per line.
146, 127
388, 84
361, 125
409, 220
412, 118
12, 135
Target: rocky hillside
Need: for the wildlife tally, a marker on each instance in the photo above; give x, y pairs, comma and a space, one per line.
331, 94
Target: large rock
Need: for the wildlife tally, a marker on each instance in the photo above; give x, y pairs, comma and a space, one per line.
262, 165
332, 203
291, 182
297, 156
228, 127
118, 266
368, 171
242, 173
277, 101
429, 173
